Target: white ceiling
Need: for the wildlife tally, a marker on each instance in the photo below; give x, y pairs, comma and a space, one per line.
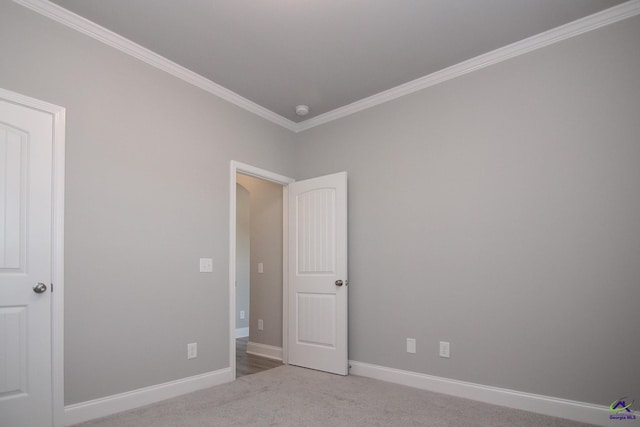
325, 53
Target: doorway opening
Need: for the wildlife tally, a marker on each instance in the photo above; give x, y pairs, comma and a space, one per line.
314, 271
259, 258
257, 269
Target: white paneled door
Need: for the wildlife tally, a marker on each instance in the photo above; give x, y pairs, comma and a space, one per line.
317, 296
26, 145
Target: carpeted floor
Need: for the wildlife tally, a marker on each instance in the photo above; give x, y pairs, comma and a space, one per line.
296, 397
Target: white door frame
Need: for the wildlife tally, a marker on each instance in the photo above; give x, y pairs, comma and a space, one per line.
237, 167
57, 246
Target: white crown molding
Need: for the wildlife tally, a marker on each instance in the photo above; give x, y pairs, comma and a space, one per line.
563, 32
546, 405
91, 29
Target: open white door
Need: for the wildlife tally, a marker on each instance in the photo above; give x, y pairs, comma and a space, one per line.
317, 296
26, 149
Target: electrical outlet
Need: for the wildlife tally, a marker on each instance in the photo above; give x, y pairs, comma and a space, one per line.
411, 345
206, 265
444, 349
260, 325
192, 350
241, 314
260, 267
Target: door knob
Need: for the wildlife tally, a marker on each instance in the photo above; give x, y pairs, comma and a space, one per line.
338, 282
39, 288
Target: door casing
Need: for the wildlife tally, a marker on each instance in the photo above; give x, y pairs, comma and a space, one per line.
57, 249
237, 167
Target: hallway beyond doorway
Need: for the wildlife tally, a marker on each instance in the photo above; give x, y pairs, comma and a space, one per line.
247, 364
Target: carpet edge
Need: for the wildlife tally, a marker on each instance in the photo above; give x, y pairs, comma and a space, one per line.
98, 408
545, 405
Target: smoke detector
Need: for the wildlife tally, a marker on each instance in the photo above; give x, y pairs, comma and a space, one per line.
302, 110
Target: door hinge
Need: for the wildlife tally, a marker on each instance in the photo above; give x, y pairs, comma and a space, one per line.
52, 288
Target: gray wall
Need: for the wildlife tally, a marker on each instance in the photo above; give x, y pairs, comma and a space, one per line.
147, 195
243, 255
266, 247
500, 211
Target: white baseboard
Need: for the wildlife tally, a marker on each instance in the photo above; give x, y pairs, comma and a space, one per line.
268, 351
85, 411
242, 332
563, 408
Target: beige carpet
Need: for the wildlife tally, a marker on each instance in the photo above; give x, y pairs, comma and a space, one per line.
290, 396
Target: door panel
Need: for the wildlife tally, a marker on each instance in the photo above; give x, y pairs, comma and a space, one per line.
13, 149
13, 345
26, 147
316, 319
317, 259
316, 232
